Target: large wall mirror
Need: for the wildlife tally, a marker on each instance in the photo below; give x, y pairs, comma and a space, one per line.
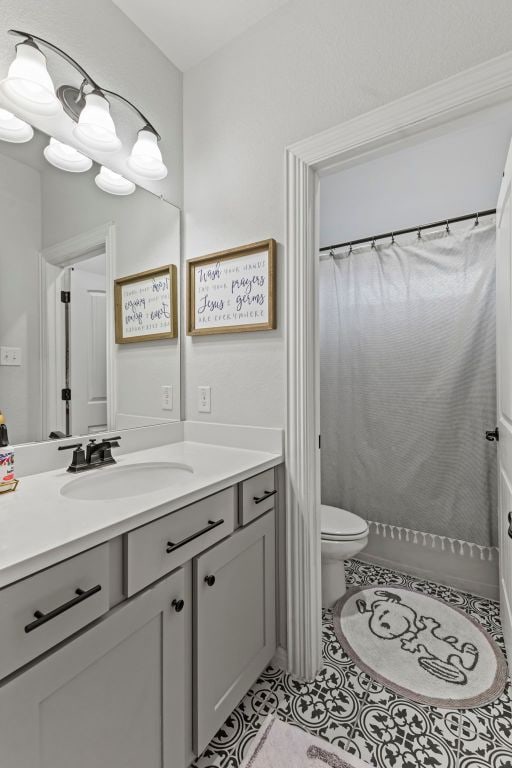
61, 372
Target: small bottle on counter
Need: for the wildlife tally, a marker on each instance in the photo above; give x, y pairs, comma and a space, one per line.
8, 481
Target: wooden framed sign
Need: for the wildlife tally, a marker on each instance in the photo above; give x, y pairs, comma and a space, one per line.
145, 306
233, 291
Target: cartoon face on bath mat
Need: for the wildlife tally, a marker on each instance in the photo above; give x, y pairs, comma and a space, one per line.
389, 618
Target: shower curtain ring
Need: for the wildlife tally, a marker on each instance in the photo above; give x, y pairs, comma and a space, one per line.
392, 238
419, 233
350, 249
477, 220
447, 227
373, 243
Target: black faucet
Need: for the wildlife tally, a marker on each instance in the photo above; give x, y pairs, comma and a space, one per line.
99, 453
95, 455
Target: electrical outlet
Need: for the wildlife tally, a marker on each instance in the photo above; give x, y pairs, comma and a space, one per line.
167, 397
204, 400
10, 356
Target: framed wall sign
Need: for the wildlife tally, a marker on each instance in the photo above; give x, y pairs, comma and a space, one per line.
233, 291
145, 306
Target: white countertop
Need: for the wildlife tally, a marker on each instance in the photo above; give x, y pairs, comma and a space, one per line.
39, 527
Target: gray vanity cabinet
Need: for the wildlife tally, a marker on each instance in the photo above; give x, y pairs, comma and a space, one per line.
234, 621
114, 696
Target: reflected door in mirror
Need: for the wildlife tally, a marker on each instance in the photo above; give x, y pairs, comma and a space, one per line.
88, 355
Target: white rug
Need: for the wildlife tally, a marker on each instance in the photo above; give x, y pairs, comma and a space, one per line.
280, 745
420, 647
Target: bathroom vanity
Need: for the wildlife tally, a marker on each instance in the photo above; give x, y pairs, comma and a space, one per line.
130, 627
137, 599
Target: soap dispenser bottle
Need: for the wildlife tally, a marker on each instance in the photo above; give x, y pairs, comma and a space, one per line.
7, 479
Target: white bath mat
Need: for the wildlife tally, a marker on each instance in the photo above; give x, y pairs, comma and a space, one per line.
420, 647
280, 745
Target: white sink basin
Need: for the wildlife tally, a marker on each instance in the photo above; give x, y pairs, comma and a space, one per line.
121, 482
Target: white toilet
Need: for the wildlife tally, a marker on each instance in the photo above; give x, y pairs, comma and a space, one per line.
343, 535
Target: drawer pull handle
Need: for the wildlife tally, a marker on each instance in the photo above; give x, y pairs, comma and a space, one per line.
178, 605
210, 580
41, 618
172, 547
266, 495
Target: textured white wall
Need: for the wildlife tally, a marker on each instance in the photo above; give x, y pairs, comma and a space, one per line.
443, 173
303, 69
116, 53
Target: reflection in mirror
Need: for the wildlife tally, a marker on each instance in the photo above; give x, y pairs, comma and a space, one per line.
64, 242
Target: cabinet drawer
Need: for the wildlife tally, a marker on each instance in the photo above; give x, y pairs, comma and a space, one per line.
163, 545
257, 495
44, 609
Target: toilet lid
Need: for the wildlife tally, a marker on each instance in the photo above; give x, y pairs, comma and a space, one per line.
341, 524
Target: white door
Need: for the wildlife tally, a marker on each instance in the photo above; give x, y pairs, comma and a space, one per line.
504, 378
88, 352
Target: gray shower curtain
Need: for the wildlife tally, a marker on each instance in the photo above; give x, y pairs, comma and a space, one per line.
408, 380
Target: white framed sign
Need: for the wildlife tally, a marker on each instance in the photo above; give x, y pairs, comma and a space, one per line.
233, 291
145, 306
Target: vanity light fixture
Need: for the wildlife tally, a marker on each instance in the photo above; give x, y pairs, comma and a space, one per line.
95, 128
65, 157
145, 158
113, 183
29, 86
13, 129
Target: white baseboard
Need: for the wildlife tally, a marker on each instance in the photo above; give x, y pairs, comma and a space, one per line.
467, 567
280, 659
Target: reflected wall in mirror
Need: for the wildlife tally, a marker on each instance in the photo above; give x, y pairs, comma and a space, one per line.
61, 372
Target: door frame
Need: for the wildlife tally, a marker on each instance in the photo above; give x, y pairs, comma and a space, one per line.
306, 161
53, 261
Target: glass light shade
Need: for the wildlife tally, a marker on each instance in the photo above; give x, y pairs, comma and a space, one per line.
65, 157
113, 183
28, 84
145, 158
95, 128
13, 129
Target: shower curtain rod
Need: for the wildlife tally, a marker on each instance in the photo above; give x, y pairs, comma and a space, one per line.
410, 230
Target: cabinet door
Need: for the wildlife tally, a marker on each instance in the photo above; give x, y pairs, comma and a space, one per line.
235, 622
114, 696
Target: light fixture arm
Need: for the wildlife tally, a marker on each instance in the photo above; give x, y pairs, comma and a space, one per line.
88, 80
142, 116
29, 36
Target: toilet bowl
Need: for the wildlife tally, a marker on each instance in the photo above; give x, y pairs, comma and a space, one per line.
344, 535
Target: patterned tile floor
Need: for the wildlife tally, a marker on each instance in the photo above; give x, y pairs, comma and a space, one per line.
343, 704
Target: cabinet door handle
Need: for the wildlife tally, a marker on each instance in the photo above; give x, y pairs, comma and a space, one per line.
266, 495
210, 580
172, 547
41, 618
178, 605
509, 517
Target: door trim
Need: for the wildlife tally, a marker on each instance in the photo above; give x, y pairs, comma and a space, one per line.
52, 262
305, 161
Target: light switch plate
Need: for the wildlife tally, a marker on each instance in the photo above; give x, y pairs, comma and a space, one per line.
10, 356
167, 397
204, 400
